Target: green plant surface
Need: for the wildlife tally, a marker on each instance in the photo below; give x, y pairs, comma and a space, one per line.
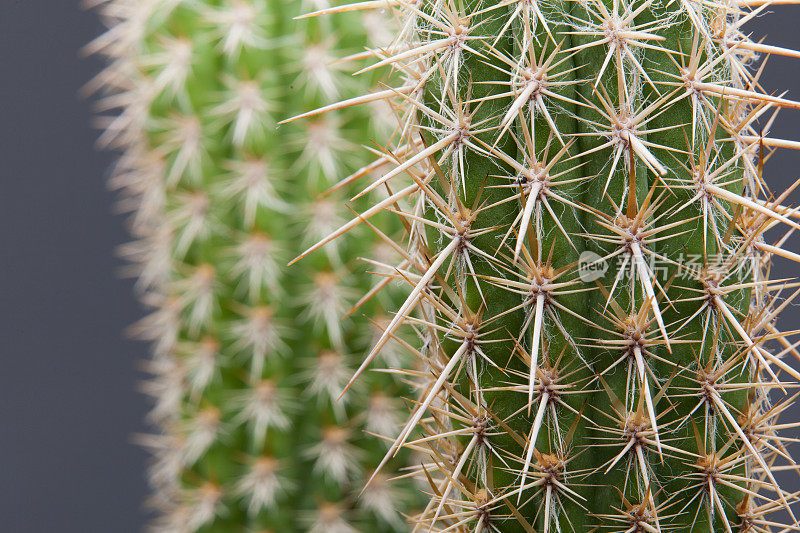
587, 263
249, 359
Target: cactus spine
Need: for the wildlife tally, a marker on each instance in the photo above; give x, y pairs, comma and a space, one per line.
581, 187
248, 359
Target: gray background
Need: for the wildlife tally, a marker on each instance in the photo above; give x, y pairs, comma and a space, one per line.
68, 399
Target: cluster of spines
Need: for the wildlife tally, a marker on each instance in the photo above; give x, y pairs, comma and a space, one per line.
585, 216
248, 359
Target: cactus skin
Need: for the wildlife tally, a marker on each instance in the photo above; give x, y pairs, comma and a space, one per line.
536, 139
248, 358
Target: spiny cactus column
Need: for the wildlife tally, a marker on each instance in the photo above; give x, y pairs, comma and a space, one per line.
248, 359
581, 184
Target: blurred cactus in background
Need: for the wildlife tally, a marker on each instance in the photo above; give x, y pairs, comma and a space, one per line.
587, 262
249, 357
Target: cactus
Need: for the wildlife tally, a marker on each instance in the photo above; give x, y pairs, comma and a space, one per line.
587, 264
249, 359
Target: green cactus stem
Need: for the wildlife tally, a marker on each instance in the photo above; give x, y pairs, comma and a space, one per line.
587, 264
249, 359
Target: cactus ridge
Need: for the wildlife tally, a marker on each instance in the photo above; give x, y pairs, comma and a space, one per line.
585, 250
248, 358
